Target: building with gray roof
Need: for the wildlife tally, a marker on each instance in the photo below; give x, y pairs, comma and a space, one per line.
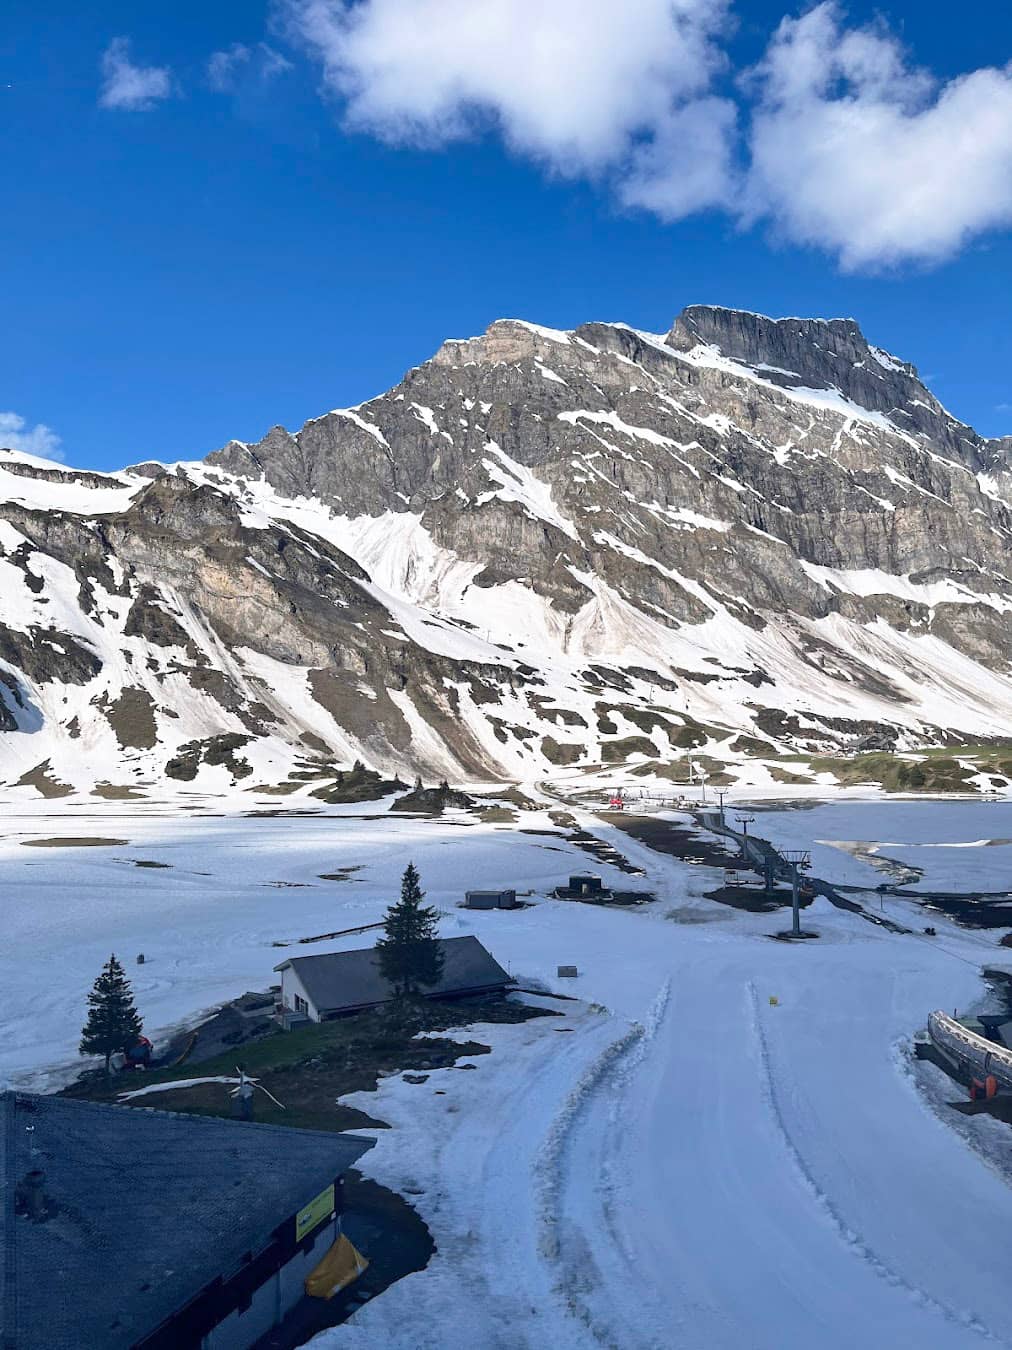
335, 983
127, 1227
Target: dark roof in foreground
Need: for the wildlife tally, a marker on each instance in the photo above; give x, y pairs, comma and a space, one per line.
150, 1207
354, 979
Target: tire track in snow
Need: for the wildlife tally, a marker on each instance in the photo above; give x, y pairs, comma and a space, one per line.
623, 1074
617, 1062
854, 1241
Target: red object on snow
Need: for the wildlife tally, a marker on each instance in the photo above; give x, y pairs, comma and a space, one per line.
617, 804
139, 1054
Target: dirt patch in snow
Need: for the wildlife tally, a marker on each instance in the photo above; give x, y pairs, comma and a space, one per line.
750, 898
132, 718
41, 779
83, 841
679, 841
117, 792
602, 851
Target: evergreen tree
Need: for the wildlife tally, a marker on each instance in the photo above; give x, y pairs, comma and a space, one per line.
113, 1021
409, 950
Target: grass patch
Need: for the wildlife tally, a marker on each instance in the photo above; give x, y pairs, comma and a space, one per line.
497, 815
782, 775
563, 752
613, 752
694, 733
309, 1068
1001, 749
895, 774
751, 745
512, 795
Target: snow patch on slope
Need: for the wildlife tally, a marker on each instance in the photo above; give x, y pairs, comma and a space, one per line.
519, 484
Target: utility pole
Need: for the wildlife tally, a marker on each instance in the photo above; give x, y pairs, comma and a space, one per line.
796, 859
721, 794
744, 822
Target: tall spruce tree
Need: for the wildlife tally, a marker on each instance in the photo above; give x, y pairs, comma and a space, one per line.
113, 1021
409, 951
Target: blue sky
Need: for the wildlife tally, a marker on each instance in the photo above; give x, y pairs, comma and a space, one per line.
191, 252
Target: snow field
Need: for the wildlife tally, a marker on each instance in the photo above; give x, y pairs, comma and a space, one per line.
227, 888
720, 1172
674, 1162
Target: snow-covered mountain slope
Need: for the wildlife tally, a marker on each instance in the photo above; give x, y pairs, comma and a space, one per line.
541, 548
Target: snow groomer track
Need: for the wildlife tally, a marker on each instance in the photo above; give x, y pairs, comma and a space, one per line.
702, 1167
752, 1175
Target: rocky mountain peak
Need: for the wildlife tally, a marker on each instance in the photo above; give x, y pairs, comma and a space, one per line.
830, 354
818, 353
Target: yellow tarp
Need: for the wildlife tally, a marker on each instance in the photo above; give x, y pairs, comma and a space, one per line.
342, 1264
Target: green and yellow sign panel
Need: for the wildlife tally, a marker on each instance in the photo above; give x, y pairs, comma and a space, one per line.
312, 1215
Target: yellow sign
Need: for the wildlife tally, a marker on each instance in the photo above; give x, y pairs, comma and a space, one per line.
774, 1001
312, 1215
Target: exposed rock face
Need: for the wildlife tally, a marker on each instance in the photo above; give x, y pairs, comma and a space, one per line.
540, 549
674, 450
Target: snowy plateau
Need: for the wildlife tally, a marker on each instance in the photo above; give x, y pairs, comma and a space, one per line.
675, 1162
546, 566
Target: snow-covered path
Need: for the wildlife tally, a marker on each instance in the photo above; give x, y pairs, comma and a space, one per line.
797, 1191
706, 1169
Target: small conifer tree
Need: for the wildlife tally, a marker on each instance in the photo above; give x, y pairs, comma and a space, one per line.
409, 951
113, 1021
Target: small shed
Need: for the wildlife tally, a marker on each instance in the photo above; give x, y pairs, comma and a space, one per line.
585, 883
490, 899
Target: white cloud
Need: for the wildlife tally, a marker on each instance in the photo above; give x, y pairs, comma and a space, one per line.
129, 86
40, 440
854, 150
585, 87
847, 146
688, 164
262, 62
